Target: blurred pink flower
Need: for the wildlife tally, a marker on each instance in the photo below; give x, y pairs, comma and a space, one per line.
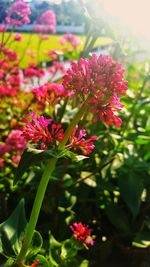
70, 38
14, 142
77, 141
2, 28
82, 233
46, 22
18, 37
101, 80
17, 14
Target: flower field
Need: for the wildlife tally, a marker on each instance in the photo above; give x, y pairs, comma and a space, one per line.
74, 150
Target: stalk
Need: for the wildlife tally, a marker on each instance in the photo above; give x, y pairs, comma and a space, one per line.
49, 168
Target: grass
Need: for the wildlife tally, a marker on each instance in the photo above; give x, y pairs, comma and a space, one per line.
31, 42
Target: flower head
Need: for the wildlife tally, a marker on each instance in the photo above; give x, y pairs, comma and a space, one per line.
82, 233
69, 38
49, 92
17, 14
18, 37
77, 141
101, 80
46, 22
38, 131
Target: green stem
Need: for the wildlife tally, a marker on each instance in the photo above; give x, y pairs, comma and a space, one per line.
49, 168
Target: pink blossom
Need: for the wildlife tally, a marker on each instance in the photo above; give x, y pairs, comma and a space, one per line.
56, 66
15, 159
77, 141
101, 80
46, 22
14, 142
2, 28
17, 14
18, 37
82, 233
70, 38
38, 132
49, 92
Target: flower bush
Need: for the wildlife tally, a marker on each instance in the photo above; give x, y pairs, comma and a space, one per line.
74, 148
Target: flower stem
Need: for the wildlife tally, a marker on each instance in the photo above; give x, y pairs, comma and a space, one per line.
49, 168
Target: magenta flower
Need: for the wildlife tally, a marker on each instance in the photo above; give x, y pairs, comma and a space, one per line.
37, 131
101, 80
70, 38
14, 142
46, 22
82, 233
79, 142
18, 37
2, 28
50, 93
17, 14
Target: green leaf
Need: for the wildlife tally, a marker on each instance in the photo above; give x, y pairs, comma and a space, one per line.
142, 240
29, 157
131, 188
35, 245
12, 231
117, 217
73, 156
54, 251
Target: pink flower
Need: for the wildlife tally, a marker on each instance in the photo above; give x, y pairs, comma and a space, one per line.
79, 142
15, 159
17, 14
46, 22
82, 233
2, 28
38, 132
18, 37
101, 80
14, 142
70, 38
49, 92
56, 66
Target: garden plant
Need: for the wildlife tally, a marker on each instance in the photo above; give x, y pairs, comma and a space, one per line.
74, 148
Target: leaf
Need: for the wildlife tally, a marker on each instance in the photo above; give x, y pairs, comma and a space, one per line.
29, 157
12, 230
117, 217
73, 156
142, 240
54, 251
35, 245
131, 188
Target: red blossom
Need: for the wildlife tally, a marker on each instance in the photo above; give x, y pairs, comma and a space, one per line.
77, 141
50, 93
82, 233
101, 80
38, 132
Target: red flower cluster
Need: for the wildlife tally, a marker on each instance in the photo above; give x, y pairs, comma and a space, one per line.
46, 22
101, 80
49, 92
79, 142
82, 233
9, 73
17, 14
37, 131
